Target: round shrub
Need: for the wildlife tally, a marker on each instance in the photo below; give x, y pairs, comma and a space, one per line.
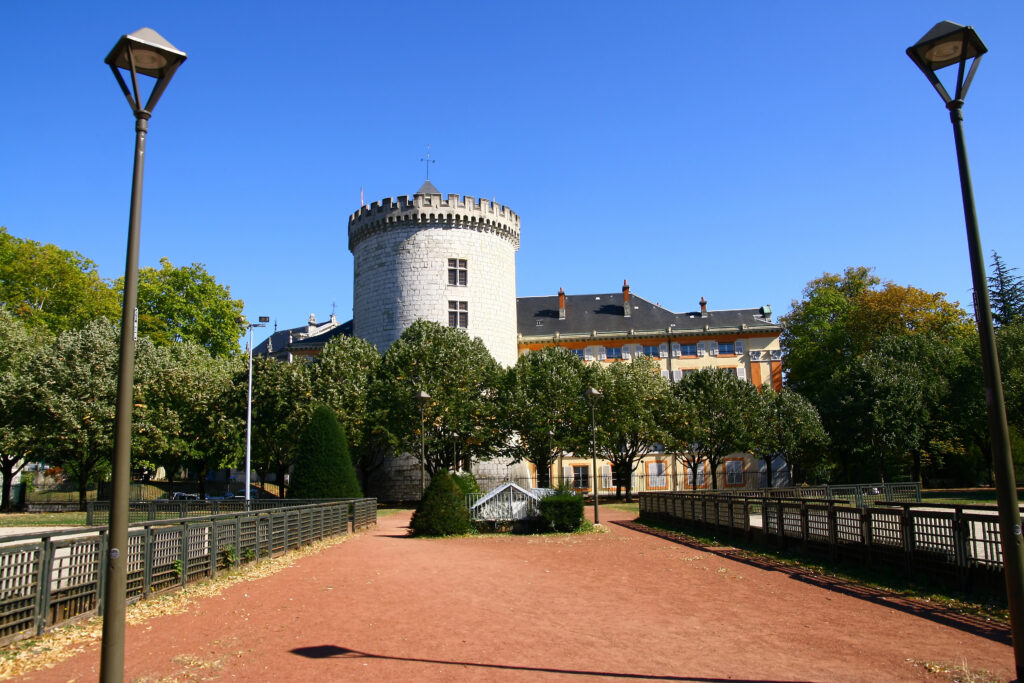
562, 511
443, 511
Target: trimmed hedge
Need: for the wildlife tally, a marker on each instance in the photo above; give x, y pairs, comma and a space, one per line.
562, 511
443, 511
323, 467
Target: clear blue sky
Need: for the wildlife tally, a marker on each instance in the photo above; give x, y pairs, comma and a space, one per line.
733, 151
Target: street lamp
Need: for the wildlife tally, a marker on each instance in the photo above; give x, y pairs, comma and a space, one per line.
551, 449
143, 52
949, 44
264, 319
592, 394
422, 398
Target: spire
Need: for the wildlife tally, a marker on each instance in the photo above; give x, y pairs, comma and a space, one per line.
428, 188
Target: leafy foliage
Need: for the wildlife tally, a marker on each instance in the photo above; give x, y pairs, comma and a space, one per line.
787, 426
323, 468
466, 482
19, 345
186, 303
51, 288
443, 510
541, 408
461, 419
282, 403
562, 512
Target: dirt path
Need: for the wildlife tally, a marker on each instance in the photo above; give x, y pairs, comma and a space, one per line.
623, 604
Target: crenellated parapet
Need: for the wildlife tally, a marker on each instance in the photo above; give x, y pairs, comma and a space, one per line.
427, 210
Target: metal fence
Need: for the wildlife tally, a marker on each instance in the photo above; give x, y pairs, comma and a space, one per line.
957, 545
507, 504
853, 494
98, 512
50, 579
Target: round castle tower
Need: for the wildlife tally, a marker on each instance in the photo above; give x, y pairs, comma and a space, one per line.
450, 260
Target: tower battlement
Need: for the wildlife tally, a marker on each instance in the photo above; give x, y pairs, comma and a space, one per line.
453, 211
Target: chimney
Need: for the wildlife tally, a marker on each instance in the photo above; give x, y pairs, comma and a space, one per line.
561, 304
703, 307
625, 299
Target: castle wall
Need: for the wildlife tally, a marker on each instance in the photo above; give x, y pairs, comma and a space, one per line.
401, 252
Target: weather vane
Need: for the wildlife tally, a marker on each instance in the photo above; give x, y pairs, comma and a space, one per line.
428, 161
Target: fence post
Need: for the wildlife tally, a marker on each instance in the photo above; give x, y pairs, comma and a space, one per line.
183, 556
43, 583
906, 524
865, 531
213, 544
90, 512
805, 531
833, 530
238, 541
102, 550
781, 523
147, 562
961, 538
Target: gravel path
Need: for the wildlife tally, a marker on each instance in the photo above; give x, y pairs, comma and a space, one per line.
619, 605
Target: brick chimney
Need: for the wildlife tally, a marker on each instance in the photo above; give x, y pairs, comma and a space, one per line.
703, 307
625, 299
561, 304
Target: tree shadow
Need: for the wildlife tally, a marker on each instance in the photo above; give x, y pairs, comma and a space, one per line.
937, 613
337, 652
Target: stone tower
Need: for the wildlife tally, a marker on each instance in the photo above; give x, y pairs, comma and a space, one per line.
450, 260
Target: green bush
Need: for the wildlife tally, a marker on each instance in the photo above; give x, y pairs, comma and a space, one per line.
466, 482
443, 511
562, 511
323, 467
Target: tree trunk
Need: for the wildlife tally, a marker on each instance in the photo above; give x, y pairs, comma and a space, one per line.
714, 477
768, 469
281, 469
8, 474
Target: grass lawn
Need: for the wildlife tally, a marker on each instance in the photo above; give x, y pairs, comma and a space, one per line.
985, 496
625, 507
43, 519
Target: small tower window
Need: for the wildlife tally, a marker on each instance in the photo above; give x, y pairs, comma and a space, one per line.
458, 314
458, 272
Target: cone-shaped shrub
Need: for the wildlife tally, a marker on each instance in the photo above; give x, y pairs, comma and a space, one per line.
323, 467
443, 511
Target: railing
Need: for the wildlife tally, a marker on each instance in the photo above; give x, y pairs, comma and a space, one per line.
506, 505
49, 579
958, 545
98, 512
853, 494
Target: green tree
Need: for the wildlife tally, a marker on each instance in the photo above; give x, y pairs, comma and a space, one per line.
282, 403
629, 416
461, 378
18, 346
720, 409
52, 288
191, 416
787, 426
343, 377
73, 401
186, 303
323, 468
1006, 293
541, 408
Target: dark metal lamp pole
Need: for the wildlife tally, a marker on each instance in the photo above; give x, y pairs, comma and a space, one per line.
422, 398
143, 52
592, 394
949, 44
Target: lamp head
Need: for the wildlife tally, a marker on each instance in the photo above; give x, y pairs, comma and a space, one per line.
946, 44
148, 53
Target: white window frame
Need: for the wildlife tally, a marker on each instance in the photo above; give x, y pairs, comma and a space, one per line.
702, 349
713, 348
732, 477
460, 268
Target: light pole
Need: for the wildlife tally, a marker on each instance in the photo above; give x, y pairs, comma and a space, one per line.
551, 449
592, 394
264, 319
143, 52
949, 44
422, 398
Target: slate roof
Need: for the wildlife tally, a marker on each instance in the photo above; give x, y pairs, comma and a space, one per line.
604, 314
277, 343
428, 188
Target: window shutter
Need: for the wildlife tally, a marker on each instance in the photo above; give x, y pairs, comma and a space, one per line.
741, 372
740, 348
588, 353
566, 474
713, 348
626, 352
601, 353
664, 373
701, 348
676, 351
663, 350
606, 476
677, 375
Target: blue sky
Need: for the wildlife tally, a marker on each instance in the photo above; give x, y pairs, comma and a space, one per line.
726, 150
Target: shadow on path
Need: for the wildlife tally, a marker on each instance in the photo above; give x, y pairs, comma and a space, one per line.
974, 625
336, 652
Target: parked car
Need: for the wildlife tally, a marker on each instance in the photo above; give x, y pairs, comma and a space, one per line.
240, 495
179, 495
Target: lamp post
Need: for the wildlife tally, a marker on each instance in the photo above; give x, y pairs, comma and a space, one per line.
551, 449
422, 398
949, 44
143, 52
592, 394
264, 319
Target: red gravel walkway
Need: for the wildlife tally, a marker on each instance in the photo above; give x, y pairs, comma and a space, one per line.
624, 605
